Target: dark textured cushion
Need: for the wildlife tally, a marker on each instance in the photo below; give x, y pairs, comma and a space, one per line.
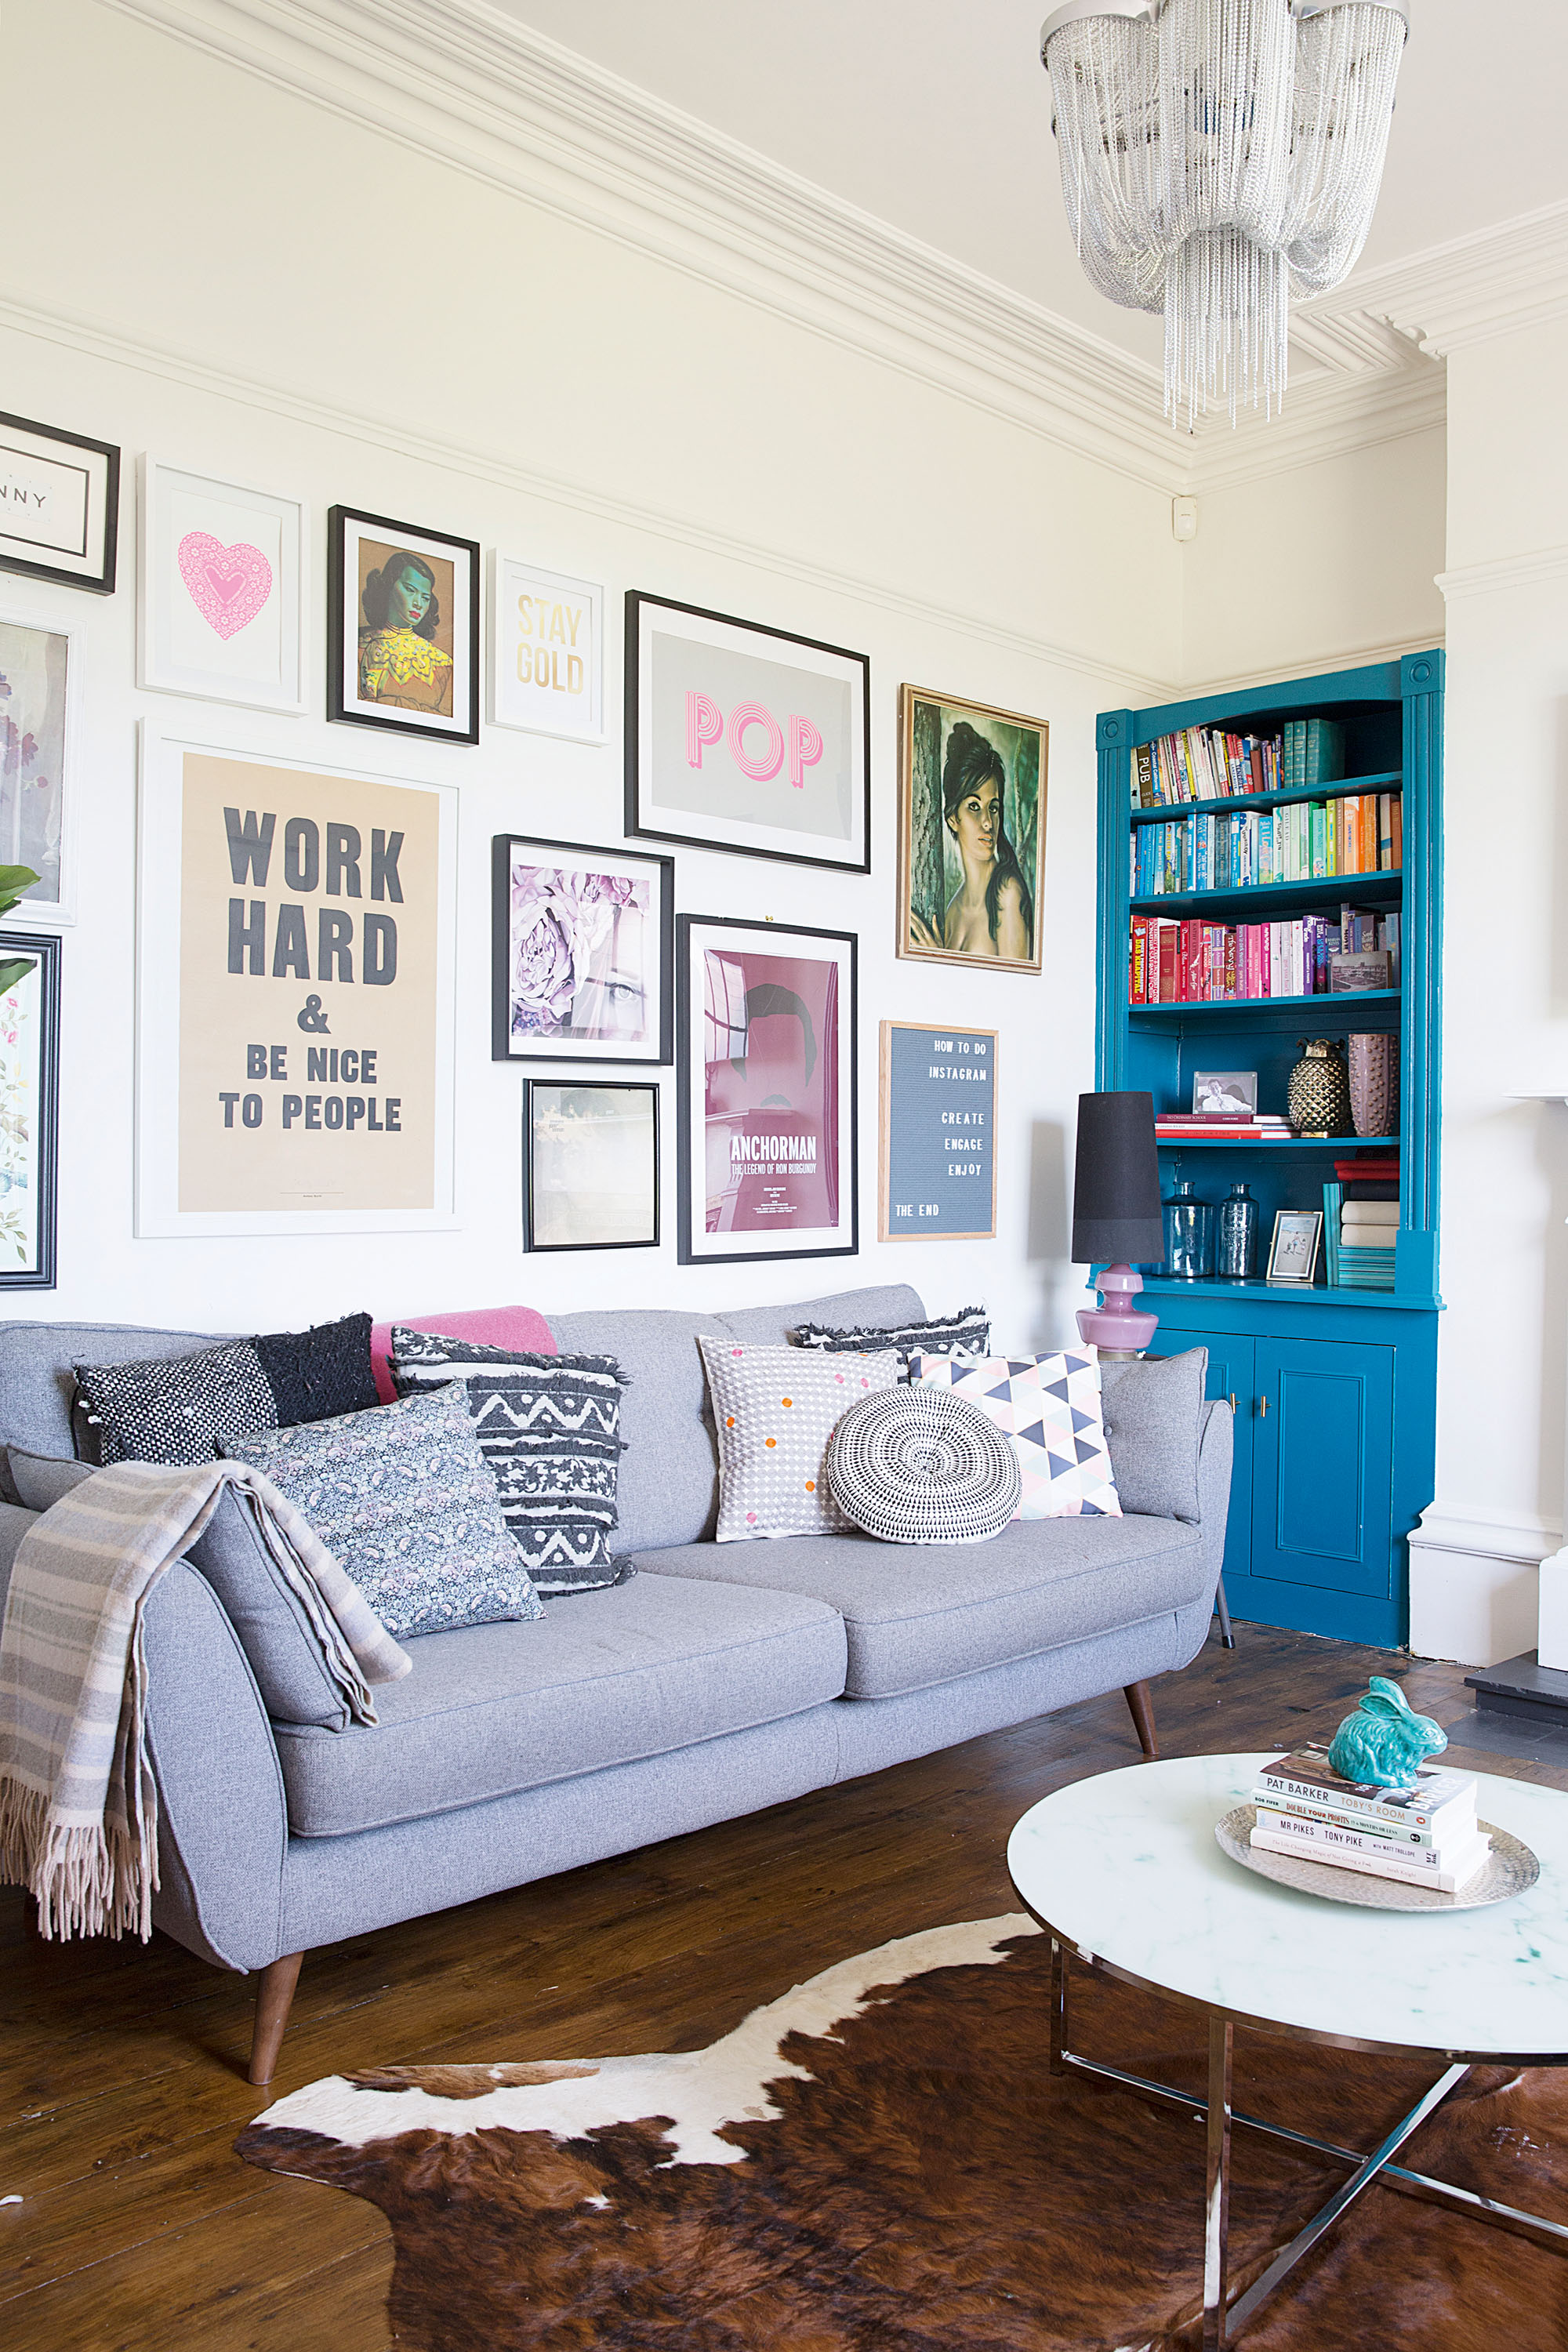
967, 1333
154, 1410
1152, 1410
405, 1499
316, 1375
549, 1426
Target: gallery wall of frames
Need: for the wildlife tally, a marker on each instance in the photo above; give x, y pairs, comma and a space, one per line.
536, 924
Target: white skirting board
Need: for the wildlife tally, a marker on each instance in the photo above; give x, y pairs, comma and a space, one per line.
1474, 1584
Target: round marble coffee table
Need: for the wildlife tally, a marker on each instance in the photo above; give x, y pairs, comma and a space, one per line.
1123, 1873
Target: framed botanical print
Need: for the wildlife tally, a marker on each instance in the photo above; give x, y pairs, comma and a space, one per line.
766, 1071
29, 1110
402, 628
547, 652
39, 706
583, 953
591, 1163
221, 591
743, 738
59, 505
971, 833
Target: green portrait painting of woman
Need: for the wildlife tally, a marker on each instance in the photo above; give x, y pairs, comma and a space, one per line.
404, 638
971, 833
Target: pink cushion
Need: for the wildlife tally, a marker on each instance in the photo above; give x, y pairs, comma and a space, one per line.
491, 1326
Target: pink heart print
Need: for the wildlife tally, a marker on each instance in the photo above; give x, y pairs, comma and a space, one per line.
228, 585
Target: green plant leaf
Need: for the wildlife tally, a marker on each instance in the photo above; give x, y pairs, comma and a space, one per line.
14, 880
18, 968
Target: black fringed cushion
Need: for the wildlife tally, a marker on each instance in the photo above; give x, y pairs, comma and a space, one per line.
550, 1428
170, 1409
967, 1333
922, 1465
316, 1375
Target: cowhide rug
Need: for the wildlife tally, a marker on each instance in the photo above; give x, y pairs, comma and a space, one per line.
881, 2162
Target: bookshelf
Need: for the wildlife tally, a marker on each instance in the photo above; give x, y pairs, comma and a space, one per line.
1334, 1387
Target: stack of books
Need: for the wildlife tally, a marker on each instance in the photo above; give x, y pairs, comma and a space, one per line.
1195, 962
1205, 763
1427, 1836
1304, 841
1222, 1127
1359, 1232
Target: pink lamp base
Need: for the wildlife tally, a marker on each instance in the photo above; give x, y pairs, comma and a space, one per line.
1118, 1328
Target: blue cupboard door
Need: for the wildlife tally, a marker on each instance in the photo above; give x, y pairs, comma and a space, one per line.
1322, 1466
1229, 1381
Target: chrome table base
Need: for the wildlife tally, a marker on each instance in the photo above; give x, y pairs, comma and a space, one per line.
1223, 2321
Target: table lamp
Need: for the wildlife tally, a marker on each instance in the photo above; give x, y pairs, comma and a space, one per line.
1116, 1216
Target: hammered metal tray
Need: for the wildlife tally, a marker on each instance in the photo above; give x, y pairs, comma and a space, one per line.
1509, 1869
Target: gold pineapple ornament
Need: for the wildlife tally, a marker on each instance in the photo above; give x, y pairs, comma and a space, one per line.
1318, 1099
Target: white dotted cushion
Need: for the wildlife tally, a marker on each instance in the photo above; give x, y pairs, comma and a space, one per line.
774, 1409
1048, 1408
922, 1465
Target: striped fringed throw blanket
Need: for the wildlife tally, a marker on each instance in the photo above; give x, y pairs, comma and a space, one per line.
79, 1810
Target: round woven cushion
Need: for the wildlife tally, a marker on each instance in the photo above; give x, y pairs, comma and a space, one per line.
922, 1465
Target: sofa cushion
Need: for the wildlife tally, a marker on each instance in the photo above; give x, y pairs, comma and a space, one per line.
317, 1374
37, 1374
775, 1409
1047, 1408
667, 1491
491, 1326
917, 1614
638, 1670
155, 1410
1153, 1411
40, 1480
882, 1304
967, 1333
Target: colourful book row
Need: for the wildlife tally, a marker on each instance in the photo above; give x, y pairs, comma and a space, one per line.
1198, 962
1203, 763
1304, 841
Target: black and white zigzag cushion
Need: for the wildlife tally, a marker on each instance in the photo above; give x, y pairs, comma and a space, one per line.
921, 1465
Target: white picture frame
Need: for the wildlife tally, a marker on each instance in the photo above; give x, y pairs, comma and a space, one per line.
180, 914
47, 716
547, 651
1294, 1246
220, 590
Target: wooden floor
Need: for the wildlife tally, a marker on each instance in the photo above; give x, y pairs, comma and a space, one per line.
123, 2067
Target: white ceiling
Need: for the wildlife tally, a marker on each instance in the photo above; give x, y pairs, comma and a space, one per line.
936, 117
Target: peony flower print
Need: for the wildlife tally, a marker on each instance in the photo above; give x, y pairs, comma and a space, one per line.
564, 924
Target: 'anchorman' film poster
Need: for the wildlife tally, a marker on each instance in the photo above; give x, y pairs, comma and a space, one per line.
767, 1091
295, 998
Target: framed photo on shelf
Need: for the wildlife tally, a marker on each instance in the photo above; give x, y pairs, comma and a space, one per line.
59, 505
402, 628
1293, 1251
29, 1110
746, 738
971, 833
766, 1081
39, 702
1225, 1093
297, 950
547, 652
220, 591
591, 1164
583, 953
937, 1161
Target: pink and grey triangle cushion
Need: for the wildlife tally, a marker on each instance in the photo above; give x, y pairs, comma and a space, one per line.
916, 1466
1048, 1409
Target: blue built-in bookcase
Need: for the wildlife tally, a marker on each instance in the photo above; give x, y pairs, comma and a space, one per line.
1334, 1389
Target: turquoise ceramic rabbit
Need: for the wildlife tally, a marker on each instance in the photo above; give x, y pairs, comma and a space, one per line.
1383, 1745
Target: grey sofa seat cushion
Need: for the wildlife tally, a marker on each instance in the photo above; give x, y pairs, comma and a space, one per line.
639, 1669
668, 1487
1152, 1410
37, 1374
41, 1481
918, 1614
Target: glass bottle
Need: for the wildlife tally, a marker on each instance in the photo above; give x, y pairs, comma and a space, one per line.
1189, 1235
1236, 1256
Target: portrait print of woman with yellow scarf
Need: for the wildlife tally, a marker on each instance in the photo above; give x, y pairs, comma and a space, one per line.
399, 663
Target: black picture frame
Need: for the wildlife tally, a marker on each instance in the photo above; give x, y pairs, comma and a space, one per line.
771, 938
44, 948
342, 653
637, 827
582, 1051
535, 1087
105, 544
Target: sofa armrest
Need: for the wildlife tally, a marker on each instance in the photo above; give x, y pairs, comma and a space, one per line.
1217, 1445
223, 1826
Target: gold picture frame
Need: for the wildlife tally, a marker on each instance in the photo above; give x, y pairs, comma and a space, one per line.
971, 833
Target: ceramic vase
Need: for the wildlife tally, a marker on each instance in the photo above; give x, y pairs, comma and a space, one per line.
1318, 1099
1374, 1082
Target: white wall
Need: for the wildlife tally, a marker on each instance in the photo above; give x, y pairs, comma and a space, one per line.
254, 287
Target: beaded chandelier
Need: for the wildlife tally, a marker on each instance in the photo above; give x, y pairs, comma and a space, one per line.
1218, 156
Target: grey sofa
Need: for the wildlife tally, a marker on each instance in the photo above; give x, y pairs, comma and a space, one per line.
718, 1680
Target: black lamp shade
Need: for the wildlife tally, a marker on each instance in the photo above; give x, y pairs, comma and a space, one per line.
1116, 1215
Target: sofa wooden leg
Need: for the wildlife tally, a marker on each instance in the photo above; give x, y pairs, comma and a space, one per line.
274, 1996
1141, 1708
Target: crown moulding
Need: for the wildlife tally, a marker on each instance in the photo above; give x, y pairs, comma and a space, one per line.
464, 82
